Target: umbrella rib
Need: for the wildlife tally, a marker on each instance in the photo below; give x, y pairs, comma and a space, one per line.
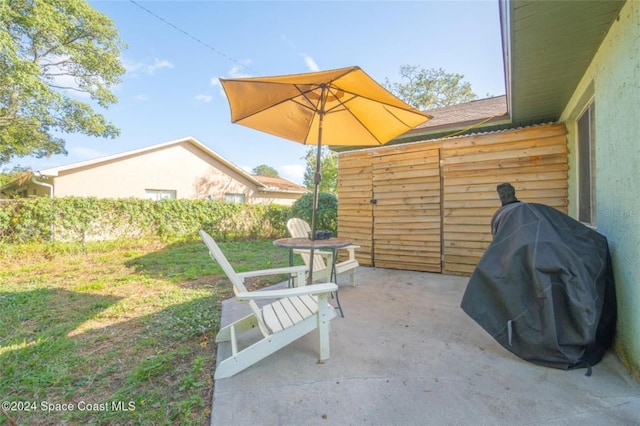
359, 95
365, 127
385, 105
316, 109
397, 118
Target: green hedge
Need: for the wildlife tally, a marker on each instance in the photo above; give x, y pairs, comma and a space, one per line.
327, 217
89, 218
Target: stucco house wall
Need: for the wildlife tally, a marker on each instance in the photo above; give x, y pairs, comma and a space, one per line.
612, 82
160, 169
185, 168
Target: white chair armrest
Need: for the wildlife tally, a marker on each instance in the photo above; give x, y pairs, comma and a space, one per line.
352, 250
288, 292
276, 271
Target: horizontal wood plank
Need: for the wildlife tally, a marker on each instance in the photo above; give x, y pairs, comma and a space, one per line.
411, 229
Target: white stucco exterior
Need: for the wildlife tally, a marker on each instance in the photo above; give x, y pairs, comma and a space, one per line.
184, 167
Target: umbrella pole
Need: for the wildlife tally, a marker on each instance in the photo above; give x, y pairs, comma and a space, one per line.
314, 209
316, 180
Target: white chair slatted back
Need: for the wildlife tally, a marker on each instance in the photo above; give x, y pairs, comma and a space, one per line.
236, 281
299, 228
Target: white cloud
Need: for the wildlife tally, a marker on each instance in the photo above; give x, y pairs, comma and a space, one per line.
310, 63
141, 98
286, 40
60, 75
237, 71
201, 97
215, 82
158, 64
135, 68
293, 172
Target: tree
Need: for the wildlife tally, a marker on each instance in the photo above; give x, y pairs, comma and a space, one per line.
326, 215
328, 170
51, 50
426, 89
264, 170
17, 173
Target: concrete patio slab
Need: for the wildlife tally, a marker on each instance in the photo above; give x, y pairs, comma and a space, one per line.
406, 354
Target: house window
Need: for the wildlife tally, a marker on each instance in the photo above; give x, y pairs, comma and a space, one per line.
586, 165
234, 198
159, 194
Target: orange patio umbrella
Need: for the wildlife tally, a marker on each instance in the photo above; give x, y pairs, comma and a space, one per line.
340, 107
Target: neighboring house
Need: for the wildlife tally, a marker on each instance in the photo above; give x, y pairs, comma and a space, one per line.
576, 64
460, 119
184, 168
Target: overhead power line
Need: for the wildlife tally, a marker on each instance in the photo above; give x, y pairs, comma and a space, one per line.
196, 39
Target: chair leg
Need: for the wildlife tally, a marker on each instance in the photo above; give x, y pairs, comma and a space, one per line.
268, 345
323, 327
242, 325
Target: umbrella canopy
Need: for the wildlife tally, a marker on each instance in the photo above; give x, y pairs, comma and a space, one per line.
341, 107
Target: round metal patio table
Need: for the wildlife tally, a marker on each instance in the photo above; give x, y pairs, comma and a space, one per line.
332, 244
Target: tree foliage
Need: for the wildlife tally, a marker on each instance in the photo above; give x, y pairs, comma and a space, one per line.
426, 89
326, 215
328, 170
264, 170
17, 173
52, 54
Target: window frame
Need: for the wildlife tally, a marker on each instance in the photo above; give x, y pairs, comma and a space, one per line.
233, 197
585, 163
160, 194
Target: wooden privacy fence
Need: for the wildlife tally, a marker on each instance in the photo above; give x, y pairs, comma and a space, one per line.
427, 206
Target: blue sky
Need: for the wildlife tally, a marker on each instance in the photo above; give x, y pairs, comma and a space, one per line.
171, 87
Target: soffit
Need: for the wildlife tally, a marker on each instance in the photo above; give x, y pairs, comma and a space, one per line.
550, 45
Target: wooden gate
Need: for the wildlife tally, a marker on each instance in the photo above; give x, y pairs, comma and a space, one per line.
355, 211
434, 200
406, 208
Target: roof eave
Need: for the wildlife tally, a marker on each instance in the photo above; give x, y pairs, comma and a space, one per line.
55, 171
547, 48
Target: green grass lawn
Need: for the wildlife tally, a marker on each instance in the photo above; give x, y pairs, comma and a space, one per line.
122, 333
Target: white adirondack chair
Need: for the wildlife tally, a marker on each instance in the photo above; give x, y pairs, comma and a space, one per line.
322, 260
294, 313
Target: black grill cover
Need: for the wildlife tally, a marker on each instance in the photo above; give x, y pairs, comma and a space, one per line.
544, 288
